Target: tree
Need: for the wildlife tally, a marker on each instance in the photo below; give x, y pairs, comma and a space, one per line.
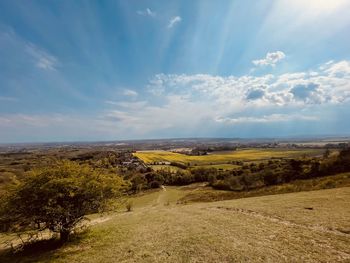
326, 153
58, 198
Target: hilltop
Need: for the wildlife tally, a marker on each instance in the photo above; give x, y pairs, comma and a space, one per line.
303, 227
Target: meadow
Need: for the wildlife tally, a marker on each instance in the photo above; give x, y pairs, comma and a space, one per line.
297, 227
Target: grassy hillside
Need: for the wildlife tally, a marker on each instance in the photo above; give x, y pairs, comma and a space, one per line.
297, 227
223, 157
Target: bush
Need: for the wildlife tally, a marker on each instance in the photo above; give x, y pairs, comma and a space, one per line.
58, 198
129, 206
328, 184
155, 184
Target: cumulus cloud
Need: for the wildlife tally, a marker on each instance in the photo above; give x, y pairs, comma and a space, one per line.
341, 69
329, 85
270, 60
146, 12
224, 96
174, 20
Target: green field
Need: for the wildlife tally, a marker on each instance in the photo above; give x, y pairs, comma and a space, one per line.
225, 167
159, 167
174, 169
150, 157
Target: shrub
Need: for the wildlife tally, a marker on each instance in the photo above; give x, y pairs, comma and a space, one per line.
328, 184
58, 198
129, 206
155, 184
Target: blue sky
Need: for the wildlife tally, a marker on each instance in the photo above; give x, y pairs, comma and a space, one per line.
109, 70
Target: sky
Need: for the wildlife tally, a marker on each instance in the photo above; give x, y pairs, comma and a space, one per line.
116, 70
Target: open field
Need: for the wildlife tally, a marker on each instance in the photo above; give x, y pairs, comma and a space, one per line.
297, 227
224, 157
158, 167
223, 166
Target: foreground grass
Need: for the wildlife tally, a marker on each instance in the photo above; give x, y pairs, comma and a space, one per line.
224, 157
297, 227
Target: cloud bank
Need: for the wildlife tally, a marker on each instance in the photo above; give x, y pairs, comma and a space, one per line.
188, 105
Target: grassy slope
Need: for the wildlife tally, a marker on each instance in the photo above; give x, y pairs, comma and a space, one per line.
206, 194
276, 228
246, 155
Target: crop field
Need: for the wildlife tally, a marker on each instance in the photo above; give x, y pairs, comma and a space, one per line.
150, 157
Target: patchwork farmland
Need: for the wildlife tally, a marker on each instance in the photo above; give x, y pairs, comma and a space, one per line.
246, 155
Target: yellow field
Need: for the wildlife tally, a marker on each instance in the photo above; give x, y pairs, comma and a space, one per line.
223, 157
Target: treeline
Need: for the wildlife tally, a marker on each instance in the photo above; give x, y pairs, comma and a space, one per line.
204, 150
283, 171
249, 176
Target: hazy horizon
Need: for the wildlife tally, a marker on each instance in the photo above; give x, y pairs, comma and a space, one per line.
126, 70
296, 138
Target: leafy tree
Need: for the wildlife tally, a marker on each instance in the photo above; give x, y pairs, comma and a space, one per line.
58, 198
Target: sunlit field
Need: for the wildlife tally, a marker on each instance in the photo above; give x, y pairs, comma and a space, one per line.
150, 157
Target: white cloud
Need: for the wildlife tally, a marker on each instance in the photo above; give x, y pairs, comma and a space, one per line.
27, 51
174, 20
330, 85
270, 60
130, 93
315, 7
146, 12
224, 96
341, 69
267, 119
43, 60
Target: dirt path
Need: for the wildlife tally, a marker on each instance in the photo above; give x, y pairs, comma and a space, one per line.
162, 197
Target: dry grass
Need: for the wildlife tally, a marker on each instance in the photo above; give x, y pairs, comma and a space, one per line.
298, 227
